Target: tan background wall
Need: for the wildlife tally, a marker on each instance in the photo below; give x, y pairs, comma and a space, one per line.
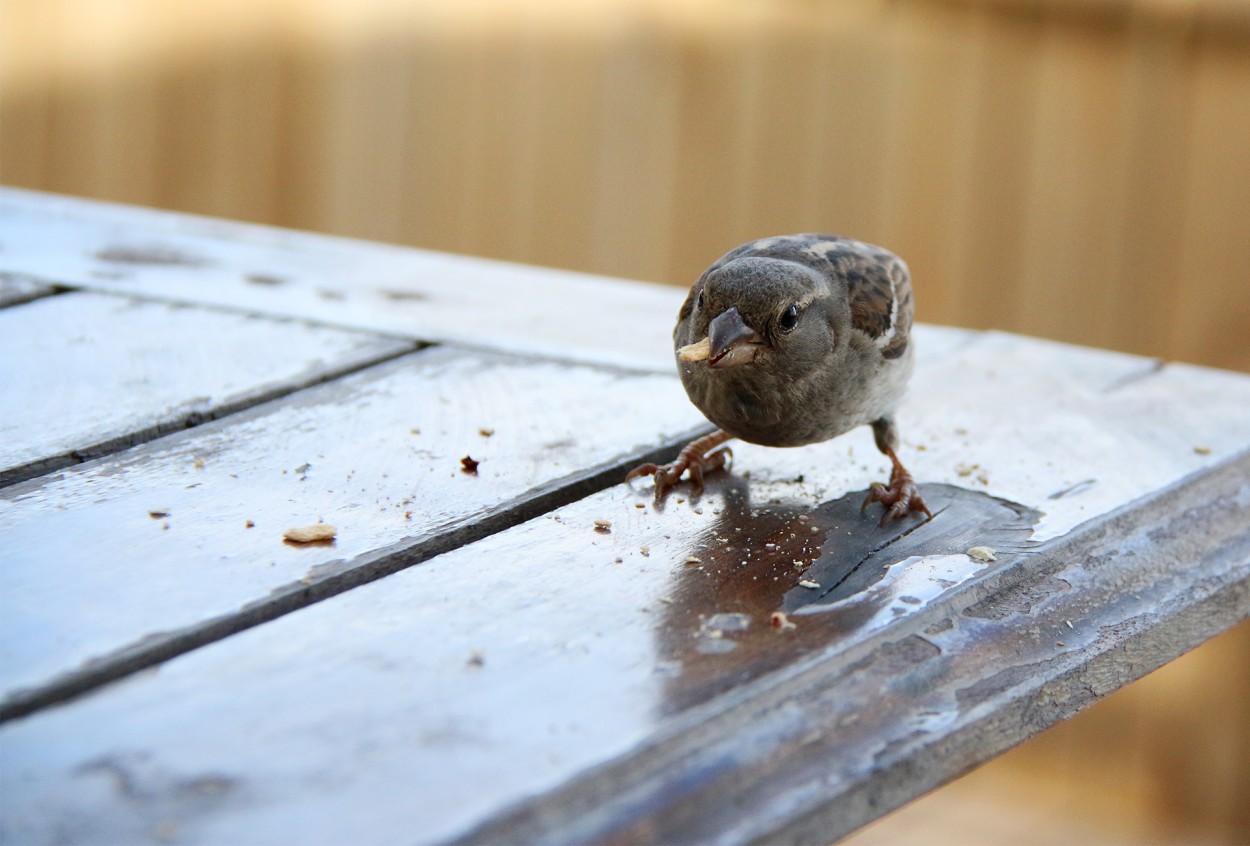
1078, 169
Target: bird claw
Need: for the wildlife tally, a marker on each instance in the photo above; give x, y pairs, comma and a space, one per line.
692, 460
900, 499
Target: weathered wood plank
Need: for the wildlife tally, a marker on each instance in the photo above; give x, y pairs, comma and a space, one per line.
86, 374
397, 290
184, 535
16, 289
555, 683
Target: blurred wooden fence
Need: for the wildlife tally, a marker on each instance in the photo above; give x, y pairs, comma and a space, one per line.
1078, 169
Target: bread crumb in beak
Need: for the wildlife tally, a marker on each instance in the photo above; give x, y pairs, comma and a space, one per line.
696, 352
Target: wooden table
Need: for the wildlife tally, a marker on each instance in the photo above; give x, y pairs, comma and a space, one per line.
476, 657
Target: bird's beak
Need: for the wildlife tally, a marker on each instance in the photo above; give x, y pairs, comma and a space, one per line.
732, 341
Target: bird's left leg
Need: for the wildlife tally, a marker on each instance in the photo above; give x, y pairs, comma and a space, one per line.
900, 497
699, 457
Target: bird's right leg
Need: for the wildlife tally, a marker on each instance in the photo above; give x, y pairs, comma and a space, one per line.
701, 456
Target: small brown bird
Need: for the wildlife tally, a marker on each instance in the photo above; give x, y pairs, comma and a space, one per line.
793, 340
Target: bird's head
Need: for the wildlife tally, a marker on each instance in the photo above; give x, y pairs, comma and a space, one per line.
760, 310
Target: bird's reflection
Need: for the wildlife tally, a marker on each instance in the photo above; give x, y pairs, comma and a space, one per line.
723, 624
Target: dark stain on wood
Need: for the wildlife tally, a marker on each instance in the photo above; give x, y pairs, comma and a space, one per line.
266, 279
754, 561
150, 255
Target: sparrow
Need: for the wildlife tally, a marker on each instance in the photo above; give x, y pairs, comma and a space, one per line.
794, 340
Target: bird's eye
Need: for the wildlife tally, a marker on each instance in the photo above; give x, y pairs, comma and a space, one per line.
699, 304
789, 318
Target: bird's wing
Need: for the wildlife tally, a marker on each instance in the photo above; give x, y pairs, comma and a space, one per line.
878, 282
881, 301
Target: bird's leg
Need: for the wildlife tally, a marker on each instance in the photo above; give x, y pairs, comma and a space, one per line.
900, 497
699, 457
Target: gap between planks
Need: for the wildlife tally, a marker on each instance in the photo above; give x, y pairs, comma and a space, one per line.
158, 648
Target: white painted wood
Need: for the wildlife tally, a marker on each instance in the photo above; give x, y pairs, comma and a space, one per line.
155, 540
414, 708
401, 291
83, 374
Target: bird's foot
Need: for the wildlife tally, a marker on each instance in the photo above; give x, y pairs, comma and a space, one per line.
900, 498
699, 457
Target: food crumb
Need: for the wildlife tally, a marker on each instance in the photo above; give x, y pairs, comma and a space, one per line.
698, 351
645, 550
316, 533
692, 561
965, 470
249, 525
809, 584
158, 513
603, 527
476, 659
1202, 450
781, 622
982, 553
468, 465
414, 430
485, 432
198, 464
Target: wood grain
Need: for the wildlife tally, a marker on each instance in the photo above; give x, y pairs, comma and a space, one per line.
562, 683
184, 534
139, 370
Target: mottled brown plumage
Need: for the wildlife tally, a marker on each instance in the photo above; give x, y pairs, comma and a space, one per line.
792, 340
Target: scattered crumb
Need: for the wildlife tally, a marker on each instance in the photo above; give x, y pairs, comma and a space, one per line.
603, 527
966, 469
1202, 450
414, 430
316, 533
476, 659
407, 515
166, 831
645, 550
158, 513
815, 529
468, 465
198, 464
961, 431
485, 432
249, 525
691, 561
618, 560
781, 622
809, 584
1060, 643
982, 553
1069, 623
640, 505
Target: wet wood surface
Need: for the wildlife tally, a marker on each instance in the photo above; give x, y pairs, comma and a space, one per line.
142, 369
536, 652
